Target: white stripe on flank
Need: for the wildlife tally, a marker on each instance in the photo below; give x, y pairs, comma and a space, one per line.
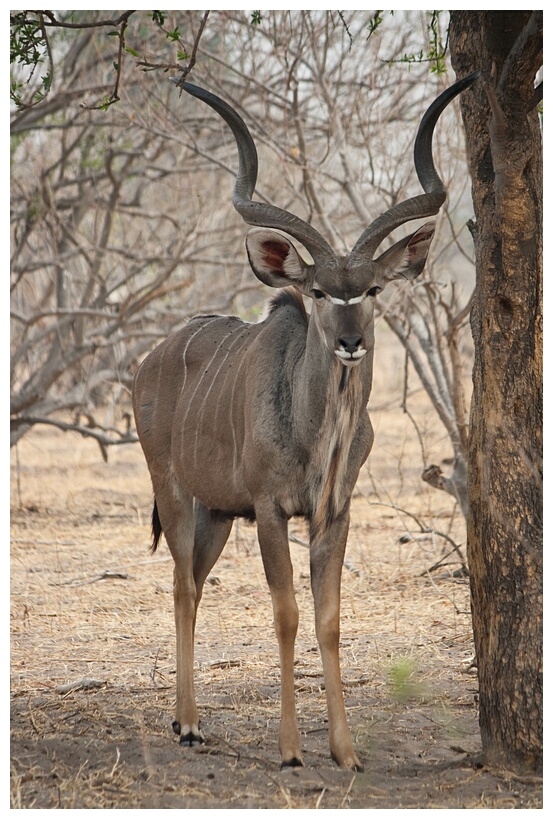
198, 331
199, 414
205, 372
186, 346
234, 441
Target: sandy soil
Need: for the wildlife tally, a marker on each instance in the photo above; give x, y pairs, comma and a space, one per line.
87, 601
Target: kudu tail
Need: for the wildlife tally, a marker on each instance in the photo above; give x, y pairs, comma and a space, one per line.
157, 528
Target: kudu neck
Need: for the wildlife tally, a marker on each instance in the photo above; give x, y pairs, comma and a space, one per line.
321, 381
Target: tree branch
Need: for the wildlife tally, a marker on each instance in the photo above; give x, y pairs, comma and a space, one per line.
526, 56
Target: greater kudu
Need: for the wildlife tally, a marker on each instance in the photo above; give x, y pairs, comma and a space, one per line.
267, 421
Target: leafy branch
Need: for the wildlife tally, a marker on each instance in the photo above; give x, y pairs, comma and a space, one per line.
375, 22
114, 96
437, 48
29, 43
174, 36
30, 46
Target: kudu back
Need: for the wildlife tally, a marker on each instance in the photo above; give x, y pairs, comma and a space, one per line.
268, 421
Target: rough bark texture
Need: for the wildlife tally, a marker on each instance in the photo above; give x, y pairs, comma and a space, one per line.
505, 446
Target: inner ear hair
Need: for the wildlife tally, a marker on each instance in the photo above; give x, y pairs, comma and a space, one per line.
274, 259
275, 253
419, 243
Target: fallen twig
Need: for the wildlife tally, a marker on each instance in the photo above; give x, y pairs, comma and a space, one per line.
225, 664
85, 684
107, 574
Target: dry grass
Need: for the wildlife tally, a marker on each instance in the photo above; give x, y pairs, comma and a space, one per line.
88, 601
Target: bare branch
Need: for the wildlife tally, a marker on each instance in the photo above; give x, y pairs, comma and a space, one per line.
98, 434
52, 21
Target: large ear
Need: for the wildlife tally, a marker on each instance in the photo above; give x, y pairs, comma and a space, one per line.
406, 259
274, 259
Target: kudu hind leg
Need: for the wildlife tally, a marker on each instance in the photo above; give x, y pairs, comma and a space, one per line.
176, 513
327, 554
272, 531
196, 538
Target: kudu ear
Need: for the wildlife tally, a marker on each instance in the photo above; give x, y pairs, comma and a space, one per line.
274, 259
406, 259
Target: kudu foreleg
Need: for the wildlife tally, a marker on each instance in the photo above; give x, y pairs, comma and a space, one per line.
327, 555
272, 531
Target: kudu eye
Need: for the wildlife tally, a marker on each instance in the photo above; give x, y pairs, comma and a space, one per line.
318, 294
374, 291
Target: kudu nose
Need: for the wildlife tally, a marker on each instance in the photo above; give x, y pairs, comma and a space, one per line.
350, 344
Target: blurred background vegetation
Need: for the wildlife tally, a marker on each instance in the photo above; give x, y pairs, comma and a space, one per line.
121, 218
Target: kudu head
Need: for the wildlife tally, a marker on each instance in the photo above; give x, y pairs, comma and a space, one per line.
342, 288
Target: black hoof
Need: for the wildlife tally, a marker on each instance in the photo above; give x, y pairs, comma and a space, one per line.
190, 740
291, 763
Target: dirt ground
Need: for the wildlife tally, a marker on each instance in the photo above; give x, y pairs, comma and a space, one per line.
89, 602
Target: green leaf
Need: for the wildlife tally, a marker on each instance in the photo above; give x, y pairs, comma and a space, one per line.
374, 22
255, 18
113, 34
158, 17
130, 50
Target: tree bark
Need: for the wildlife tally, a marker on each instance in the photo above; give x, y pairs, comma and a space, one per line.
505, 437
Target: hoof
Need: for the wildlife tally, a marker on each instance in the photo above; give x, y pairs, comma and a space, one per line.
350, 764
191, 740
291, 763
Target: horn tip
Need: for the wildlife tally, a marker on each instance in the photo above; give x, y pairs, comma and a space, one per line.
184, 86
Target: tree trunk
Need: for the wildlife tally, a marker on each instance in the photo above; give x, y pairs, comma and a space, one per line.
505, 438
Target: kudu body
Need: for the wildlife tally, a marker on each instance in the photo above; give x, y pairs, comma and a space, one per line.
268, 421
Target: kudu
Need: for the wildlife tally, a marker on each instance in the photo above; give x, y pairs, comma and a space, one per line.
268, 421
